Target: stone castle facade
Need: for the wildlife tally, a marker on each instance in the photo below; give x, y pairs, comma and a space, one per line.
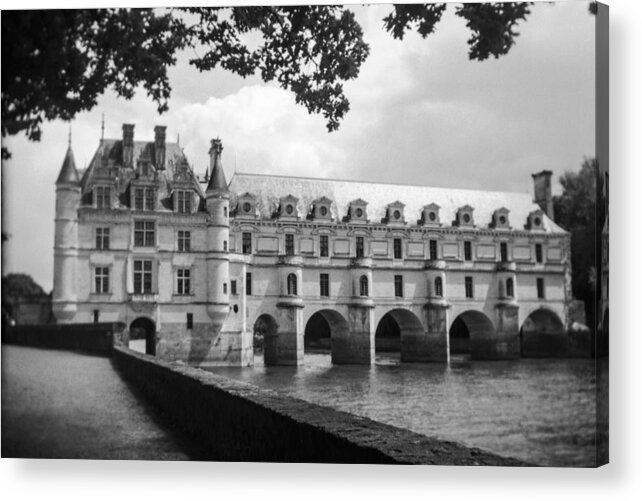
200, 264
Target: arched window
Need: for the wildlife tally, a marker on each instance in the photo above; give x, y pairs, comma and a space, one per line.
292, 284
439, 287
363, 286
509, 287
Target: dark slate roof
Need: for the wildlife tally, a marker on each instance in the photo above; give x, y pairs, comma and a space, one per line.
270, 189
68, 171
107, 165
217, 180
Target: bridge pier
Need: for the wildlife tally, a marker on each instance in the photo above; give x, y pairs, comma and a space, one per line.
355, 345
431, 344
284, 346
501, 343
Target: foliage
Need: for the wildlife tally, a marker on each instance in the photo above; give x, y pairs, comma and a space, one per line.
20, 284
57, 63
492, 24
308, 50
576, 210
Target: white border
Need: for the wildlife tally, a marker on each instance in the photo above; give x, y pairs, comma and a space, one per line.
98, 480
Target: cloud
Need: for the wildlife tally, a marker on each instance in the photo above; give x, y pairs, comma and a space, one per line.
421, 113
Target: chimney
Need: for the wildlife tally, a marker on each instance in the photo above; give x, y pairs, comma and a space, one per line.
128, 145
159, 146
543, 194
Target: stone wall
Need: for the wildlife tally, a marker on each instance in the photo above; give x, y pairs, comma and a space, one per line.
95, 338
240, 422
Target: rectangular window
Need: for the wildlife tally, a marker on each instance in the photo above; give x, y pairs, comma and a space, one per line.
144, 198
248, 284
398, 286
503, 251
469, 286
540, 288
468, 251
150, 199
144, 234
433, 250
360, 247
139, 198
103, 197
183, 281
324, 245
247, 243
324, 285
184, 202
184, 241
101, 277
289, 244
190, 320
102, 238
397, 248
233, 287
538, 253
96, 316
143, 276
224, 288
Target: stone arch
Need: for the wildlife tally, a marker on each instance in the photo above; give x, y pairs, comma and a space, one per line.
143, 328
324, 331
543, 335
469, 332
396, 332
264, 334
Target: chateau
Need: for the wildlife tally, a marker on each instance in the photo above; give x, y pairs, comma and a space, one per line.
199, 265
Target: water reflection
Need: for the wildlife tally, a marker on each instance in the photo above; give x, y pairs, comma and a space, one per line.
538, 410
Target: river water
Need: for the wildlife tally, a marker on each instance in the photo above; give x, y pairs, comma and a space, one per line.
537, 410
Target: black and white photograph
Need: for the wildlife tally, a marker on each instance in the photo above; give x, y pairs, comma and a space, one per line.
358, 234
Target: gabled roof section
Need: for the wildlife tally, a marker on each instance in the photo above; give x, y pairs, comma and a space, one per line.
107, 166
68, 172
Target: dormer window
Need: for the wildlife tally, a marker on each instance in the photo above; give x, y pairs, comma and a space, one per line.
465, 216
321, 209
103, 197
394, 214
357, 211
430, 215
288, 207
144, 198
246, 206
500, 219
536, 220
183, 201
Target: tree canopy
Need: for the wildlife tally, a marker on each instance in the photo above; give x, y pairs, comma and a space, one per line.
57, 63
578, 211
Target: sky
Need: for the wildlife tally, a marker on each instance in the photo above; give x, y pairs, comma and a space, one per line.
421, 113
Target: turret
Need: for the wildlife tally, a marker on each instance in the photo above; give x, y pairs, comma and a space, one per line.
66, 239
218, 231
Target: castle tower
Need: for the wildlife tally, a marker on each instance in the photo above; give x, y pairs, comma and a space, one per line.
66, 240
218, 231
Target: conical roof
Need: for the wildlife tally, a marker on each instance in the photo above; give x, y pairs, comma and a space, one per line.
68, 172
217, 180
